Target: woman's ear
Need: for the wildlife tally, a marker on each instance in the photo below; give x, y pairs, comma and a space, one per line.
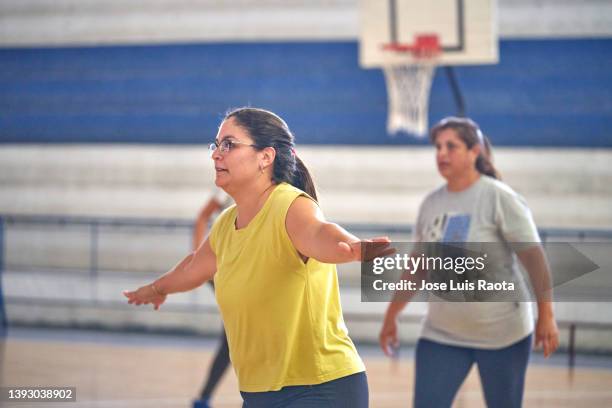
267, 157
476, 150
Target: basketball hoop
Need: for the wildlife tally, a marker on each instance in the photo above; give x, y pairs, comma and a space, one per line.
409, 83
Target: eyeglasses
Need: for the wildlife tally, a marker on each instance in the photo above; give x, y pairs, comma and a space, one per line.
225, 146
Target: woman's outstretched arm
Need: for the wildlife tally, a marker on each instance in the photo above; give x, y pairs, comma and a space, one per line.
327, 242
191, 272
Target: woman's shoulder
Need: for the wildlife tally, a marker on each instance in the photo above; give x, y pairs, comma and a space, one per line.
281, 199
286, 188
497, 187
285, 192
435, 194
504, 197
222, 226
226, 216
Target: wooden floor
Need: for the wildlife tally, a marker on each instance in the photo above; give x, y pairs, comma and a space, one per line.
149, 375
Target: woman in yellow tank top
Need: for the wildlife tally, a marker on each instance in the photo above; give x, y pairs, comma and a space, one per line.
272, 257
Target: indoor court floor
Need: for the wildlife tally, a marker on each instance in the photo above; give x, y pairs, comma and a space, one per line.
140, 370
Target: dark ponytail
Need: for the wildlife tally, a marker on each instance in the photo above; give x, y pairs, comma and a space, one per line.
269, 130
470, 133
303, 180
484, 161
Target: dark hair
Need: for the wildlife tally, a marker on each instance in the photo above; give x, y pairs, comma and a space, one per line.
268, 130
470, 133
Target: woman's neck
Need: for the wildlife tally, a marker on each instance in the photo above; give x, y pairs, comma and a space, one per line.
250, 200
462, 182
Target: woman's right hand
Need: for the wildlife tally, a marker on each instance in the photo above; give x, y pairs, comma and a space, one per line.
145, 295
388, 339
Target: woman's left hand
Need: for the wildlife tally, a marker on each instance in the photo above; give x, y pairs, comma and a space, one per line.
375, 247
547, 334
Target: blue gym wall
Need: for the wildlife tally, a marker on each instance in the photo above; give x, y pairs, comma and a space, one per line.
542, 93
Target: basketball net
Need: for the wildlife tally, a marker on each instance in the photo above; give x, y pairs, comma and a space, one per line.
408, 86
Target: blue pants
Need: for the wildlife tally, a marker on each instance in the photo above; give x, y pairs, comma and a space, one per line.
441, 369
345, 392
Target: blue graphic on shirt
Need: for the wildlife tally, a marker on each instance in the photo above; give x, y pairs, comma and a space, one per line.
457, 228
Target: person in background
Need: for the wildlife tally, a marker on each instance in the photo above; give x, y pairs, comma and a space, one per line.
475, 206
216, 204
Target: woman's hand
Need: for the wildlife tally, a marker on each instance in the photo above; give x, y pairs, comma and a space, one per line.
547, 334
191, 272
367, 249
145, 295
388, 339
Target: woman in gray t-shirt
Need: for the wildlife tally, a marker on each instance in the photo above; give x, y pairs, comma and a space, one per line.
475, 207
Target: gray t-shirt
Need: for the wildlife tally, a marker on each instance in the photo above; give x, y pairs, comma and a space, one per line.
487, 211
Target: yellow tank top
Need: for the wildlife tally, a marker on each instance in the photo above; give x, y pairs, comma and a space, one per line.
282, 316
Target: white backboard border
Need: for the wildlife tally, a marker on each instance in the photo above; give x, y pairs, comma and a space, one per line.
467, 30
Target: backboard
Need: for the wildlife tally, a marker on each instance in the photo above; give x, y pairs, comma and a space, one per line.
466, 30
